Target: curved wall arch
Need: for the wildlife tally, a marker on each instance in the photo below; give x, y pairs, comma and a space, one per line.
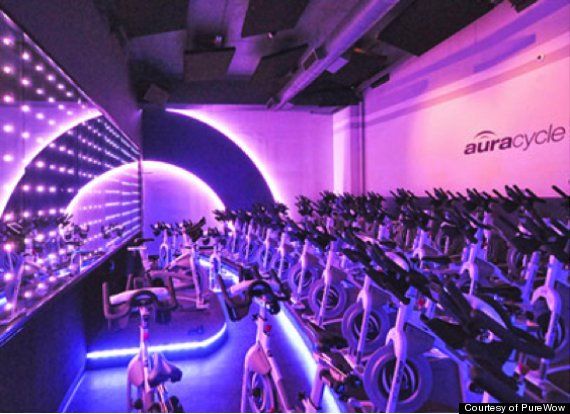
206, 152
173, 194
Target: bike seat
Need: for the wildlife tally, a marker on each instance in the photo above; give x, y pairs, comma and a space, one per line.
162, 371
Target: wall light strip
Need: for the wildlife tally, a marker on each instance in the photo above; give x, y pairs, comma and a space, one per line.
296, 341
295, 338
236, 139
179, 346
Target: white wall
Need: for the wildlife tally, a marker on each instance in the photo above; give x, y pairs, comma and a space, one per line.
172, 194
507, 73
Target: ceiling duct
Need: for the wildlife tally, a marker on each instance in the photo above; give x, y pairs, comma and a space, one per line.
360, 20
313, 56
278, 65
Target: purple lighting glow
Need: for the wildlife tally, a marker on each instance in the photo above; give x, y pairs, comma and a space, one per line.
236, 139
162, 168
31, 152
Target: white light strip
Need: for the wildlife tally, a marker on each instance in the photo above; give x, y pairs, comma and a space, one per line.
240, 142
179, 346
309, 364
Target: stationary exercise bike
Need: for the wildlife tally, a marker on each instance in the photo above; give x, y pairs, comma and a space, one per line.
147, 373
262, 387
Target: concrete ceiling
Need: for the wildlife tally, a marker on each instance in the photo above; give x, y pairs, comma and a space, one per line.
158, 58
157, 33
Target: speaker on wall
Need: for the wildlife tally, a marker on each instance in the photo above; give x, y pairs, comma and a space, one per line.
156, 95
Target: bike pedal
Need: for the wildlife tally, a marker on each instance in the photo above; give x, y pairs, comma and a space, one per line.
138, 405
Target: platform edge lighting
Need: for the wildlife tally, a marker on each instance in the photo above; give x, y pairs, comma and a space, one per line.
294, 335
221, 126
11, 186
177, 346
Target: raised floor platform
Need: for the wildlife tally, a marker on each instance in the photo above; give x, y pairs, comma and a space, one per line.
190, 333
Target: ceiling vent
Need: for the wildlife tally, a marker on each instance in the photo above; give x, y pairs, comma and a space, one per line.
315, 55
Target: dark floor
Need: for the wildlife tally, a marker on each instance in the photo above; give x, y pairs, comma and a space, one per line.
211, 383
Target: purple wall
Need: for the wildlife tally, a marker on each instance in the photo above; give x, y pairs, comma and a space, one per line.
75, 35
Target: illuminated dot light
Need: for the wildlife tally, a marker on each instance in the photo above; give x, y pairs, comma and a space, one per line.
7, 69
107, 150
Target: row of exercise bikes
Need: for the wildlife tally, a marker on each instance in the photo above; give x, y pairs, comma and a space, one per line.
385, 288
382, 287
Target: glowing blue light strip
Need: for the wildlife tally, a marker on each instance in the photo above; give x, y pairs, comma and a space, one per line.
301, 348
309, 364
227, 272
180, 346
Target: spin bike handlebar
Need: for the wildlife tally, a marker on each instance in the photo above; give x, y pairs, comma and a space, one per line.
477, 321
120, 305
239, 297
